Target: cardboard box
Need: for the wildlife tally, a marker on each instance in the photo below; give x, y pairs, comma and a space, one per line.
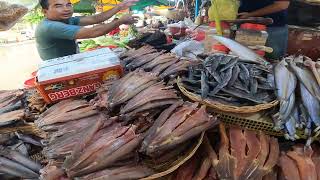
76, 75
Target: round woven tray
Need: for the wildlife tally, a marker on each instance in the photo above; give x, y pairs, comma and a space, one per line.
223, 107
169, 168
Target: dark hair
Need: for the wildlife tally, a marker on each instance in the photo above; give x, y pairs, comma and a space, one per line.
44, 4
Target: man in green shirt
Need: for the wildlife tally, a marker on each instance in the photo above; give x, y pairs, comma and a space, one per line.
56, 35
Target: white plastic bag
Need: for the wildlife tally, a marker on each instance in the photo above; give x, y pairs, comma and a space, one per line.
13, 10
189, 49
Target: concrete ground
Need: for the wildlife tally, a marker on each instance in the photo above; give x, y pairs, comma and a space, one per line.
17, 62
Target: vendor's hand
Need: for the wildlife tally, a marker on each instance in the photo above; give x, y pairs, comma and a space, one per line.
128, 19
127, 3
244, 15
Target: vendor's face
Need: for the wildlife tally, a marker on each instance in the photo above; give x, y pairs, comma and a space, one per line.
59, 10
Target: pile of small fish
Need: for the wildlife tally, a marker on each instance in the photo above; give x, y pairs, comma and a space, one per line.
230, 80
159, 63
300, 163
299, 94
175, 125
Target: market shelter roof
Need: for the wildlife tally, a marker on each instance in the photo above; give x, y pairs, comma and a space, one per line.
90, 6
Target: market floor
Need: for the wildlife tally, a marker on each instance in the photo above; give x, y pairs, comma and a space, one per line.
18, 61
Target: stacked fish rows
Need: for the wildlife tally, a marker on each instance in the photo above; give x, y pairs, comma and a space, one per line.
299, 94
159, 63
16, 150
241, 155
301, 163
178, 123
84, 143
16, 147
231, 80
81, 138
11, 100
16, 106
138, 94
11, 107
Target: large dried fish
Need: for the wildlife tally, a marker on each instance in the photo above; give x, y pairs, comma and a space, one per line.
16, 169
11, 117
187, 122
307, 79
243, 52
123, 91
153, 93
286, 83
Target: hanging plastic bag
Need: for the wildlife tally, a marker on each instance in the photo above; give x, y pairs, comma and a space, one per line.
227, 9
11, 11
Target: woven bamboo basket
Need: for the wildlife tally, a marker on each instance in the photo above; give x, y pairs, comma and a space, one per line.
223, 107
166, 169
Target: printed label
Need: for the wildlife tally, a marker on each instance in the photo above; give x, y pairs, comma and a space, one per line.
73, 91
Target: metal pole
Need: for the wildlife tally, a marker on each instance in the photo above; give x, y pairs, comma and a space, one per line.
197, 8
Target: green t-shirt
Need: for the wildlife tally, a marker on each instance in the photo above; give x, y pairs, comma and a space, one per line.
57, 39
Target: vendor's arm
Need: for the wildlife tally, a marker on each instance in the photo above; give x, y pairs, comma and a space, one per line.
277, 6
99, 18
103, 29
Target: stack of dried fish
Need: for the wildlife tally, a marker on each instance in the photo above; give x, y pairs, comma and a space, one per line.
153, 97
11, 100
82, 141
16, 149
299, 94
160, 63
14, 164
241, 155
139, 93
231, 80
127, 87
300, 163
19, 106
12, 118
175, 125
198, 167
65, 111
62, 122
102, 148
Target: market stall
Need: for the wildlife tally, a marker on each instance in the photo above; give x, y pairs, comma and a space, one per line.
192, 101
